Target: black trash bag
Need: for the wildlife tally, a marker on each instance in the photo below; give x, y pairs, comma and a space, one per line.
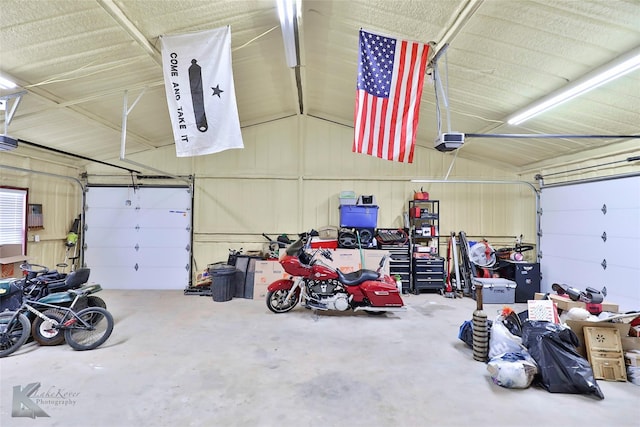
531, 329
466, 332
562, 369
513, 324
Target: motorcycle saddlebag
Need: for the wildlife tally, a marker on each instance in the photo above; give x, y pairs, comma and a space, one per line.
382, 294
10, 294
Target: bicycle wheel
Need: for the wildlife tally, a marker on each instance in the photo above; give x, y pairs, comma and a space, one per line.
12, 333
44, 332
100, 326
94, 301
89, 301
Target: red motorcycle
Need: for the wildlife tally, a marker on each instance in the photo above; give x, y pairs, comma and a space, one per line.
321, 287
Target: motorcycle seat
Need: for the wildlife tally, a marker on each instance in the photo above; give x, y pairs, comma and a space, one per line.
357, 277
57, 286
75, 279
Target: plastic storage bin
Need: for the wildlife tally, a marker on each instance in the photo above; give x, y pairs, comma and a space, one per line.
358, 216
367, 201
222, 285
348, 198
496, 290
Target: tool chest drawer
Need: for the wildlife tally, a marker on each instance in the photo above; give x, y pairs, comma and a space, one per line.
428, 274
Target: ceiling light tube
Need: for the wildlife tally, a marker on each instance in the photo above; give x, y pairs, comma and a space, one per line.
6, 83
289, 11
622, 65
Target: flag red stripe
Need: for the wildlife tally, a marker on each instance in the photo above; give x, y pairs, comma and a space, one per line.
372, 123
381, 127
423, 67
407, 98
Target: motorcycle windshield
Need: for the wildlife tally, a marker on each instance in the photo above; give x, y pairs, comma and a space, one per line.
295, 247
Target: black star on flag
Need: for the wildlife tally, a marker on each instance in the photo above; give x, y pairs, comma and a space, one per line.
217, 91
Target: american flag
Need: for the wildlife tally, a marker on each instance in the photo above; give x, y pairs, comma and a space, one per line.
390, 78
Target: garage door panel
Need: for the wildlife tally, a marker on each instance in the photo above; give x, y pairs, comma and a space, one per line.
167, 217
163, 238
110, 197
622, 223
165, 197
107, 216
146, 277
109, 256
154, 236
581, 274
111, 237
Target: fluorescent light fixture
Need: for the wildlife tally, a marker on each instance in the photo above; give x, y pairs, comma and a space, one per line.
8, 143
6, 83
289, 11
622, 65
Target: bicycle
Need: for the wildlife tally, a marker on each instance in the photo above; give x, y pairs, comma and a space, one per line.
85, 329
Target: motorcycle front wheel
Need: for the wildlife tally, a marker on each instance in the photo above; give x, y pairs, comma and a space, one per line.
278, 303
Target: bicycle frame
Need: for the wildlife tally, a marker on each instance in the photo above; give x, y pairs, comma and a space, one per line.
69, 320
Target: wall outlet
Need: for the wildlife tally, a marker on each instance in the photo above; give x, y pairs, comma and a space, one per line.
36, 238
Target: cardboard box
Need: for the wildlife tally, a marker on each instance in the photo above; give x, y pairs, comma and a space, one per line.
565, 303
349, 260
577, 325
632, 359
266, 272
372, 260
630, 343
10, 260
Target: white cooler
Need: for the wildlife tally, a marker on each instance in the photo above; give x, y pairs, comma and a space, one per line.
495, 290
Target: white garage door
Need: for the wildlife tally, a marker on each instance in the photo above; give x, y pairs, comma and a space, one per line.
591, 238
138, 238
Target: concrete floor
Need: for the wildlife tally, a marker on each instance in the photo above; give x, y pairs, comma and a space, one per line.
176, 360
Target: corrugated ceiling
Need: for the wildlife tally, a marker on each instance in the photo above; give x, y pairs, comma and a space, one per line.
76, 58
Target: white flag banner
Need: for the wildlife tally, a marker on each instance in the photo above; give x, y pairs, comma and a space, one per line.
198, 81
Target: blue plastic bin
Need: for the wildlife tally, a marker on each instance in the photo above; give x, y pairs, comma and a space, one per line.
358, 216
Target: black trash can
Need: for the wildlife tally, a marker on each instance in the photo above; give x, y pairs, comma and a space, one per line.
222, 283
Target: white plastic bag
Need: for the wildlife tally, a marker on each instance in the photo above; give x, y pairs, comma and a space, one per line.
512, 370
502, 340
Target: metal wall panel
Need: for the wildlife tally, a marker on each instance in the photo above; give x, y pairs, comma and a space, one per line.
271, 187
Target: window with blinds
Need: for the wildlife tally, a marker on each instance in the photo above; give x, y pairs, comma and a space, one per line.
13, 216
